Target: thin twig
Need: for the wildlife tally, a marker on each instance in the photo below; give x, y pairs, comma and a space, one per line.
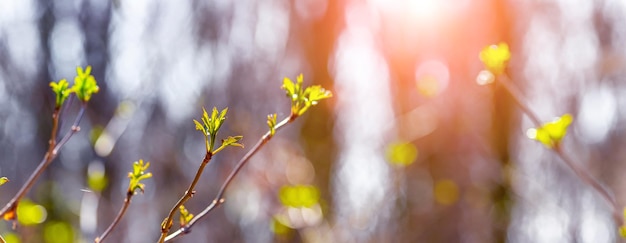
585, 177
117, 219
51, 154
73, 130
167, 223
580, 172
219, 199
517, 98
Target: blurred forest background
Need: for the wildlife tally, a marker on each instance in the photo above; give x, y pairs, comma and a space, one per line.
409, 149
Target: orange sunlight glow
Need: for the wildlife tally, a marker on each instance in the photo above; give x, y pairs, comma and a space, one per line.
431, 77
440, 34
424, 9
416, 11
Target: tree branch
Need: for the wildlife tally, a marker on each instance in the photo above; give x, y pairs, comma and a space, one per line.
219, 198
167, 223
51, 154
117, 219
580, 172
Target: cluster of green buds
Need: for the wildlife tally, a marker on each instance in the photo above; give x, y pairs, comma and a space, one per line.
84, 86
137, 175
303, 98
211, 125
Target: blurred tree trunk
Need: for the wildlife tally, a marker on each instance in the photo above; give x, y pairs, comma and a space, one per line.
319, 45
504, 120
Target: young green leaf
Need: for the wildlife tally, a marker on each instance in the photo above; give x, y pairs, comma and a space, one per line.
84, 84
211, 125
303, 99
214, 120
205, 122
232, 141
220, 120
137, 175
317, 93
61, 91
199, 126
312, 96
293, 91
551, 133
290, 88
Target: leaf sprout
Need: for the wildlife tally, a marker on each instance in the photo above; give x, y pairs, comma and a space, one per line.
137, 175
185, 216
551, 133
495, 57
84, 84
271, 123
61, 90
303, 99
211, 125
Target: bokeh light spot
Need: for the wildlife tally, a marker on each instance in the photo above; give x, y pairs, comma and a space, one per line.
485, 77
30, 213
401, 153
432, 77
58, 232
428, 86
279, 227
11, 238
299, 196
96, 178
446, 192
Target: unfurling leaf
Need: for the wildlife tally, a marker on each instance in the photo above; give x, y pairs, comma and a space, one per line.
137, 175
232, 141
199, 126
61, 90
205, 121
317, 93
303, 98
551, 133
219, 120
214, 119
85, 84
290, 88
211, 125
